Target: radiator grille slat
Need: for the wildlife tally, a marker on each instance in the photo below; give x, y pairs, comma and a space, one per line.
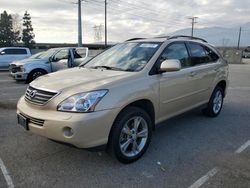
38, 96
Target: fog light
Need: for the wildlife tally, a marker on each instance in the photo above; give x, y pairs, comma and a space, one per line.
68, 132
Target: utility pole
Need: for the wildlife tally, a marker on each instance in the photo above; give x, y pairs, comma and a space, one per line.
80, 23
193, 22
105, 23
239, 39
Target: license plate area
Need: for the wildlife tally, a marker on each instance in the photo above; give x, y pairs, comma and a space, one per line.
23, 121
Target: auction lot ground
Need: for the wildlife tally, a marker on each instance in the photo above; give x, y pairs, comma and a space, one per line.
183, 149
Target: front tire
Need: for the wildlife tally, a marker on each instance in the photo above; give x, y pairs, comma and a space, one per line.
215, 103
35, 74
130, 135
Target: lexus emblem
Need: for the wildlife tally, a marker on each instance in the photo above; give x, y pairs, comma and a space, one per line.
33, 93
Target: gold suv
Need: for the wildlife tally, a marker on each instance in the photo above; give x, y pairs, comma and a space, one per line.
118, 97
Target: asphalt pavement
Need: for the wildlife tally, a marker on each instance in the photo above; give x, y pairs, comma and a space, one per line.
185, 151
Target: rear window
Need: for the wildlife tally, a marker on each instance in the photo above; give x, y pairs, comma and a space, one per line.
201, 54
15, 51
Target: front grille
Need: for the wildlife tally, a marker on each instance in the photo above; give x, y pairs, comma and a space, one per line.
13, 68
38, 96
34, 121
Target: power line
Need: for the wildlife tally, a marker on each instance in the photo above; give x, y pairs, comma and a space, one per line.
146, 17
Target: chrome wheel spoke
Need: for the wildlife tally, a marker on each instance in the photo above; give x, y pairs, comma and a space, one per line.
135, 148
133, 136
137, 122
125, 145
126, 130
142, 134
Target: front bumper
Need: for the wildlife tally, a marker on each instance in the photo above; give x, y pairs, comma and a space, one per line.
89, 129
19, 75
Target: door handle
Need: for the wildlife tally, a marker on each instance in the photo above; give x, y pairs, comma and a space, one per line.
193, 74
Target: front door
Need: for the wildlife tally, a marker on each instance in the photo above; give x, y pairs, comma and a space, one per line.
176, 88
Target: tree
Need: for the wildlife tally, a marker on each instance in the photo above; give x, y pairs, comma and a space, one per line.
28, 35
7, 36
17, 25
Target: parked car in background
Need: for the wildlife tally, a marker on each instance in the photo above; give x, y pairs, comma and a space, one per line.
119, 96
10, 54
246, 53
46, 62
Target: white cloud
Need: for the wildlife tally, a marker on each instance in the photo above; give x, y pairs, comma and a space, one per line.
56, 20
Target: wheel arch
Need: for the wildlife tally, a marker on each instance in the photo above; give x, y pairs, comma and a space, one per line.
32, 71
223, 85
144, 104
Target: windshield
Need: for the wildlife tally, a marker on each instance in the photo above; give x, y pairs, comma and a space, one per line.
36, 56
47, 54
132, 56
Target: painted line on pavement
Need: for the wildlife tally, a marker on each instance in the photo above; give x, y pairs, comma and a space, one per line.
6, 81
204, 178
6, 175
243, 147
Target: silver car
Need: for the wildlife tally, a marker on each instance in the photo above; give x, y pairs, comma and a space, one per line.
46, 62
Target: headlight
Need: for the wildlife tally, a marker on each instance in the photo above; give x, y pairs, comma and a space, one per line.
82, 102
22, 68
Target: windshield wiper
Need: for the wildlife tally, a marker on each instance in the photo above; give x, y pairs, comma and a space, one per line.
107, 67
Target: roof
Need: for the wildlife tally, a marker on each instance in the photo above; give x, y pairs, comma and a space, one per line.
169, 38
13, 48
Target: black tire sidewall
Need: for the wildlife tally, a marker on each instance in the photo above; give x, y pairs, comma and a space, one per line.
31, 75
122, 118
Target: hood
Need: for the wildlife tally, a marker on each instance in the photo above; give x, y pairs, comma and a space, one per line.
79, 79
28, 61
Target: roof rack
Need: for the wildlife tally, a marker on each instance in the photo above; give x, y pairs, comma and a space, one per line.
185, 36
163, 36
133, 39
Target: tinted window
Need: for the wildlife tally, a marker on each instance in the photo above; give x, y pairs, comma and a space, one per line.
15, 52
176, 51
198, 54
212, 56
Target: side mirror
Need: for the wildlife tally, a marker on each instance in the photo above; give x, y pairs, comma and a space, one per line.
170, 65
2, 53
50, 59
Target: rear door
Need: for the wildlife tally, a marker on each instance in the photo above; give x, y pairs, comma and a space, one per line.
60, 60
204, 68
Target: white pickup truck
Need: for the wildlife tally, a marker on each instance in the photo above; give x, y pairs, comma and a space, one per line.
10, 54
49, 61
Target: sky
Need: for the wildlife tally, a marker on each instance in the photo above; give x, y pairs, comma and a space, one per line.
56, 20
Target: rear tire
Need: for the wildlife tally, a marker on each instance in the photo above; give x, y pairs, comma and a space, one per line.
215, 103
35, 74
130, 135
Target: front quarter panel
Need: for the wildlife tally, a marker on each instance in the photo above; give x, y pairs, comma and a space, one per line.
130, 90
32, 66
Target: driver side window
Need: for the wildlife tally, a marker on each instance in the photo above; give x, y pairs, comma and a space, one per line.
176, 51
62, 54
